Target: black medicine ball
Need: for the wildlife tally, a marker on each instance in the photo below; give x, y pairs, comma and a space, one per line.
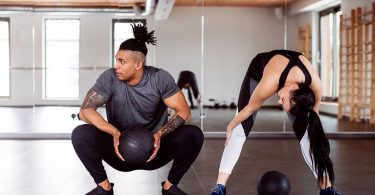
273, 183
136, 145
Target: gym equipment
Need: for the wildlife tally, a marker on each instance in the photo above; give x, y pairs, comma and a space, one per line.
136, 145
224, 105
273, 183
232, 105
216, 103
75, 115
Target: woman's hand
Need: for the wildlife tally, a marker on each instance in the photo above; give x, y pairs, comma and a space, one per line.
116, 142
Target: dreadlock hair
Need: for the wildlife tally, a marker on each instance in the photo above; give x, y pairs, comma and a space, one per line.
141, 37
303, 101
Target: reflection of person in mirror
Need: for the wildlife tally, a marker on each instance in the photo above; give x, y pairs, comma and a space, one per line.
186, 80
291, 76
136, 95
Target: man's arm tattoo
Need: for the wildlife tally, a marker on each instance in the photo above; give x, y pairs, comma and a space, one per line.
172, 124
92, 100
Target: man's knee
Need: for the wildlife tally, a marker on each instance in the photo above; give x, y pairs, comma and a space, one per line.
81, 134
195, 135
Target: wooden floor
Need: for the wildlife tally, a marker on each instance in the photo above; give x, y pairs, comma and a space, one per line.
51, 167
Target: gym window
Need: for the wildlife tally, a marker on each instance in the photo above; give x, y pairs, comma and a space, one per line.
121, 31
329, 52
4, 58
61, 67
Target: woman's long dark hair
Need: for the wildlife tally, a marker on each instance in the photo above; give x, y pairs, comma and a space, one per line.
303, 101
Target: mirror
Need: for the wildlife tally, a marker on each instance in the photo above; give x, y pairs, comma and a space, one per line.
216, 43
231, 41
16, 70
178, 50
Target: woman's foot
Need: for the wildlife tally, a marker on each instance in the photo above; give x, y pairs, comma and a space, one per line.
218, 189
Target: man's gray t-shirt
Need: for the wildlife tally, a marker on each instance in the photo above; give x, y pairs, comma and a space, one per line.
140, 105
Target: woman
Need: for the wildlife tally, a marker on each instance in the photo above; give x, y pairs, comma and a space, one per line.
292, 77
186, 80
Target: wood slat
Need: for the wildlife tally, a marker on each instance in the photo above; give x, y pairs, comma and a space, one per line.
359, 66
372, 107
352, 66
340, 98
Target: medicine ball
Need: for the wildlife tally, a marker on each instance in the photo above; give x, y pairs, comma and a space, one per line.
136, 145
233, 105
273, 183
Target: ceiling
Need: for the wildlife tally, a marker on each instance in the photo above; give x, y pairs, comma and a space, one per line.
244, 3
131, 3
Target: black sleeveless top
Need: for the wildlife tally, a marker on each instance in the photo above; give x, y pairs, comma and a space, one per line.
255, 72
260, 61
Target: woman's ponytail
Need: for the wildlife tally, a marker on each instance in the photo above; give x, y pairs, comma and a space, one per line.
319, 148
303, 100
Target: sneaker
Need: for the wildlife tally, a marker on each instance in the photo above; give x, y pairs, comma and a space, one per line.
218, 189
100, 191
329, 191
173, 190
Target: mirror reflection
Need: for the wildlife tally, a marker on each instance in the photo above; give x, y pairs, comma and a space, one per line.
50, 56
231, 41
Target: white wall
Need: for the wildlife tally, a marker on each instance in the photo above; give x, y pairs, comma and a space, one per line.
232, 37
26, 43
21, 58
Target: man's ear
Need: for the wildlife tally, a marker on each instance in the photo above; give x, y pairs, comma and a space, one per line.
138, 65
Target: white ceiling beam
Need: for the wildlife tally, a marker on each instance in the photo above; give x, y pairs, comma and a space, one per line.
163, 9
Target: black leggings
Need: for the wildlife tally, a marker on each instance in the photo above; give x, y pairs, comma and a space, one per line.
93, 145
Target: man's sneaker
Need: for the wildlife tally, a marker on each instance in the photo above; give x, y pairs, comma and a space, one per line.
218, 189
100, 191
329, 191
173, 190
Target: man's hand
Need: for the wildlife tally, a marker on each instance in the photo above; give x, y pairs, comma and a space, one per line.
116, 142
157, 137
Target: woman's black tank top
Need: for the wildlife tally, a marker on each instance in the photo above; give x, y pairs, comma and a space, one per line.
260, 61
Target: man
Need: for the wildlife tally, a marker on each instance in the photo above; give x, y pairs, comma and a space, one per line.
136, 95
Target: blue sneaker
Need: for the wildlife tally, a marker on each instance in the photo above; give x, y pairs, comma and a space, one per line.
218, 189
329, 191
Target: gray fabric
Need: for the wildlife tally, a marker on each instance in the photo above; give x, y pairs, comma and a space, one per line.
137, 106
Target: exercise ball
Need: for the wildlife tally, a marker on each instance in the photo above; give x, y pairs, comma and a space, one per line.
273, 183
136, 145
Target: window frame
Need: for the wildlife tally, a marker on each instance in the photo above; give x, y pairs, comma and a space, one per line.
113, 33
7, 19
44, 64
334, 10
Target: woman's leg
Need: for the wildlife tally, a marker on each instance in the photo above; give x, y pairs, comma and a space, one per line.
231, 154
233, 148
